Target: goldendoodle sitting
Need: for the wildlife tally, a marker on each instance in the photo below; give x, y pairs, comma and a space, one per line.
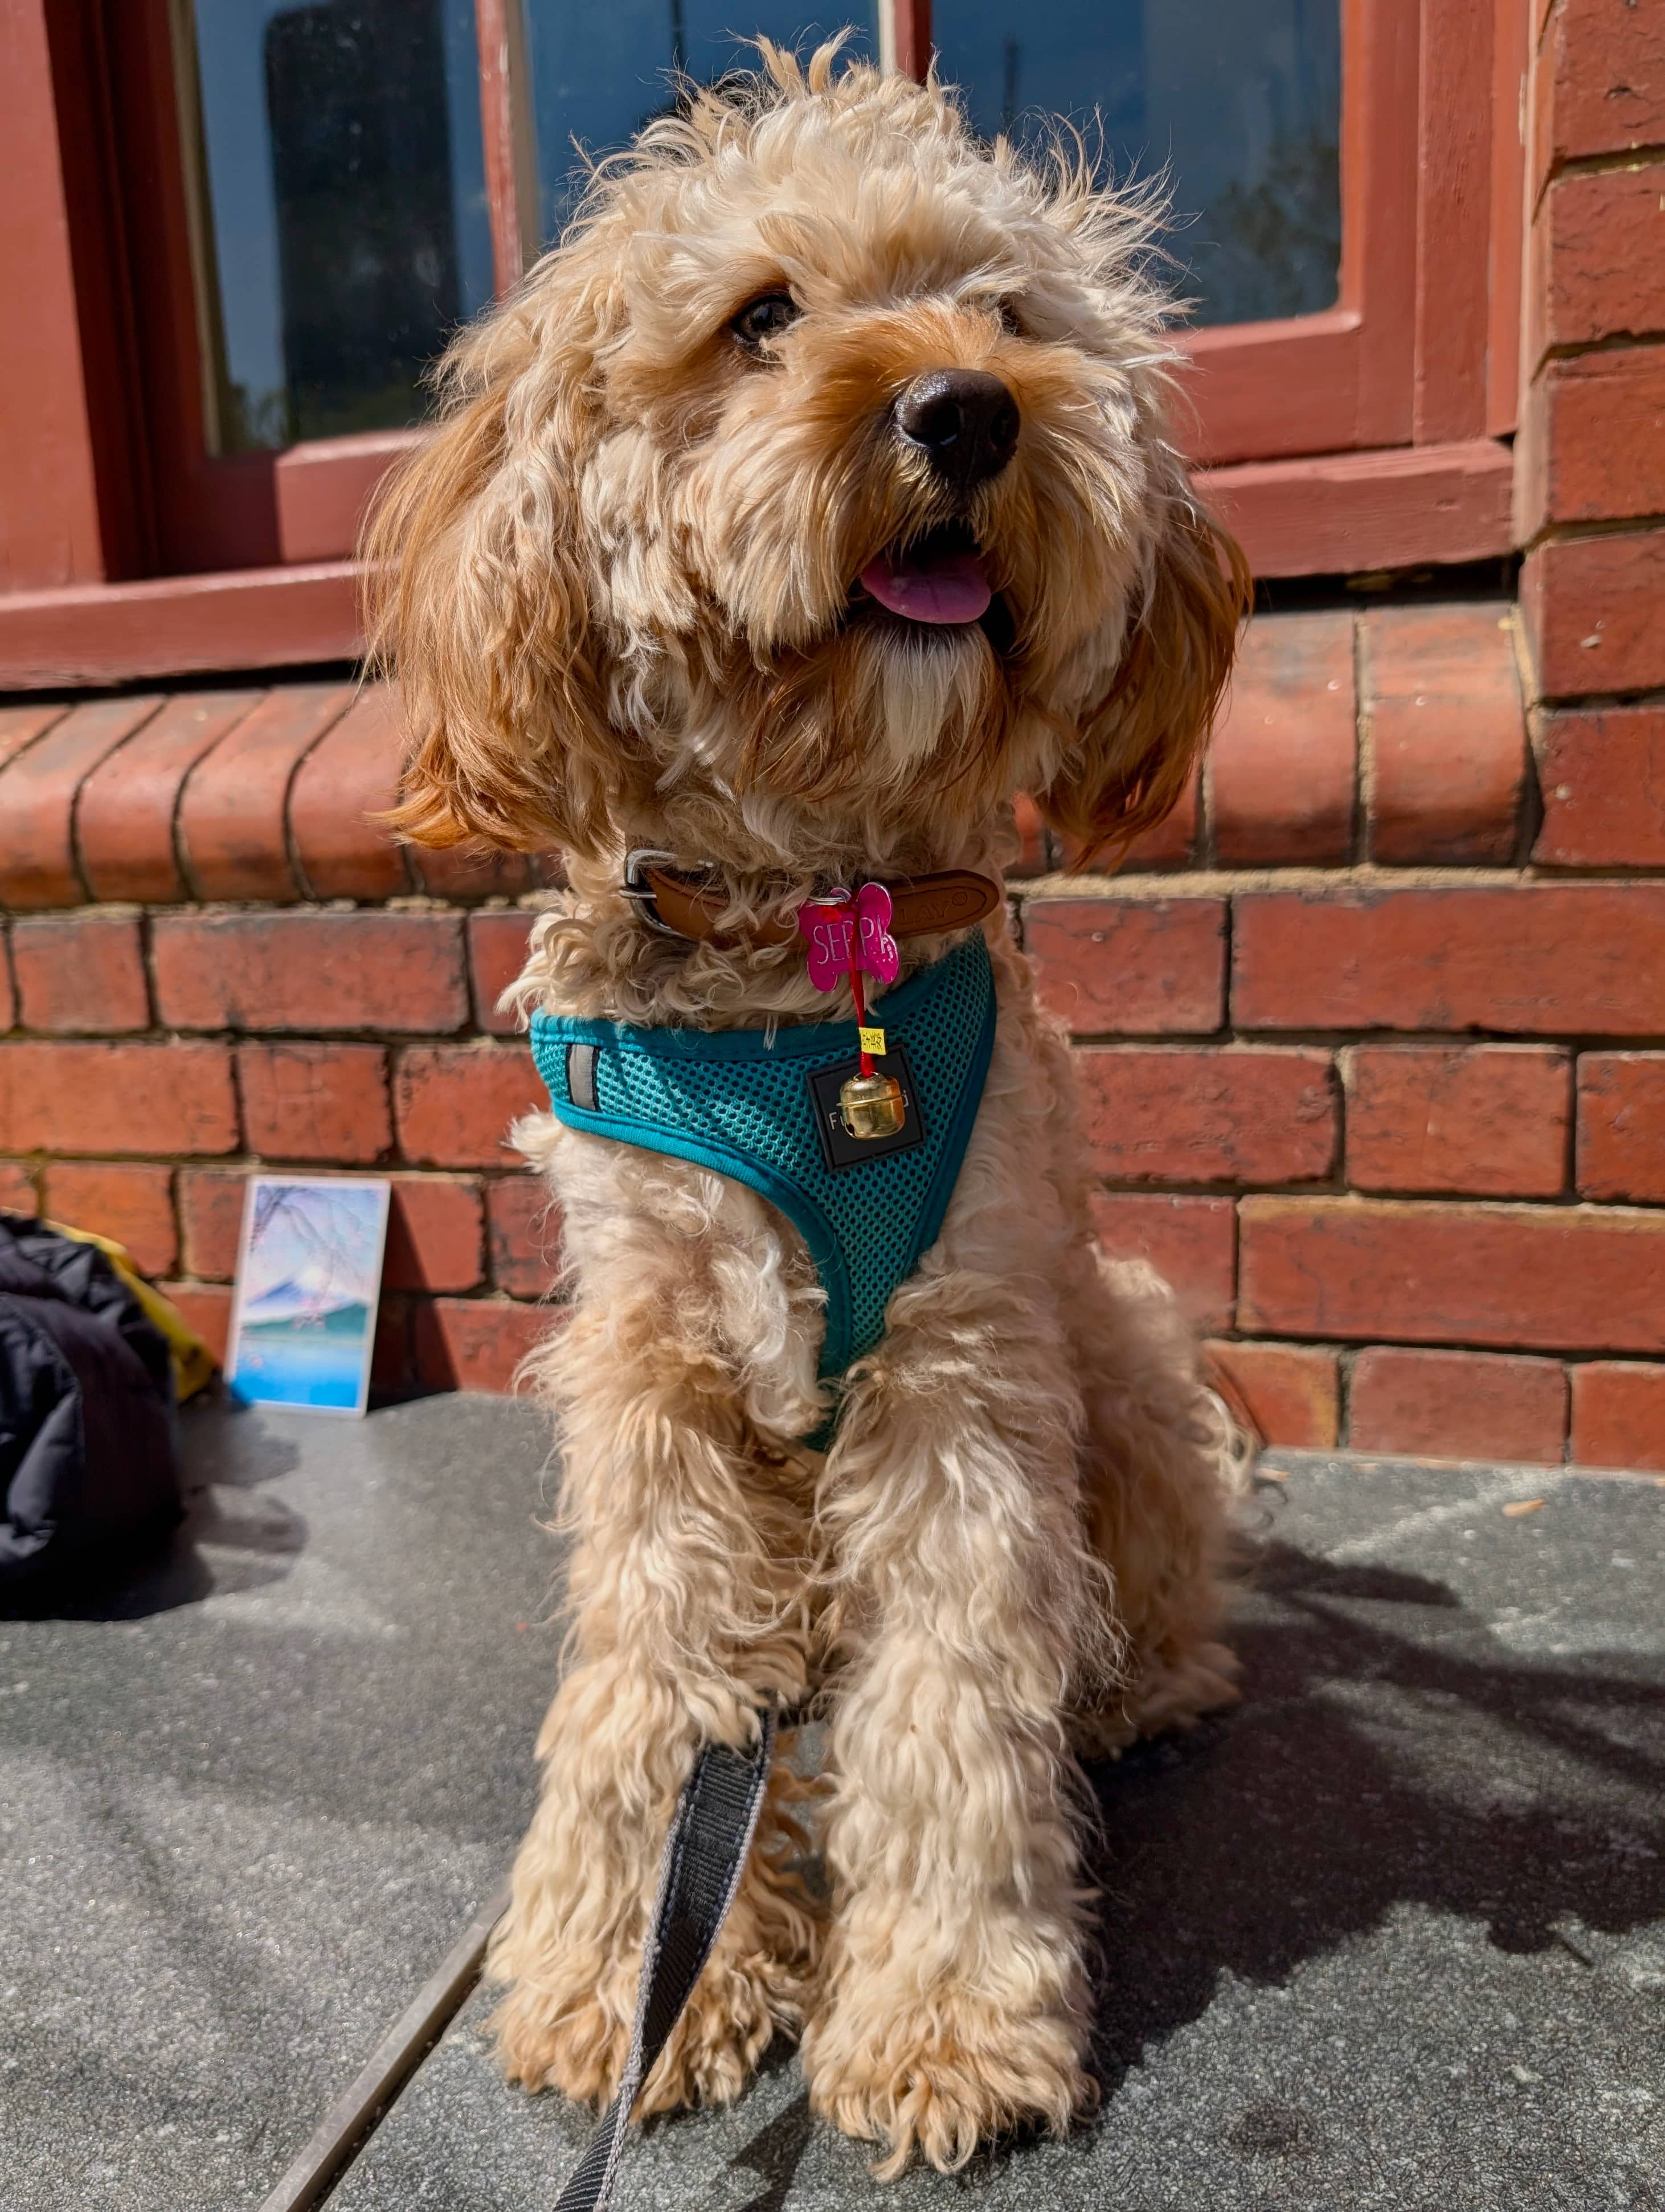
813, 496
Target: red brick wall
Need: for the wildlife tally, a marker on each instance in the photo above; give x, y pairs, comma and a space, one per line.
1591, 473
340, 1015
1368, 1073
146, 1134
1590, 516
1367, 1066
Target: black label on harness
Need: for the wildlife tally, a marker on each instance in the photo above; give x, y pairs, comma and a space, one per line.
839, 1148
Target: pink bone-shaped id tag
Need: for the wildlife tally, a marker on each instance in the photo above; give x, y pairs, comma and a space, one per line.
828, 928
827, 931
879, 955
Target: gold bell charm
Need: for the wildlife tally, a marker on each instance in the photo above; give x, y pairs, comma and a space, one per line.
871, 1105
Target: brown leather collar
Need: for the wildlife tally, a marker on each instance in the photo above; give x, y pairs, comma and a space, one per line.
921, 906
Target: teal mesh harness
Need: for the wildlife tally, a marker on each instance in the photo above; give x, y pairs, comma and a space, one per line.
763, 1110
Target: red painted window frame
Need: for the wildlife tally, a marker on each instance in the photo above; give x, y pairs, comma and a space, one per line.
1369, 435
213, 512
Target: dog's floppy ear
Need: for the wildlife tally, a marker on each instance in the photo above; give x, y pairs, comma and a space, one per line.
478, 596
1138, 746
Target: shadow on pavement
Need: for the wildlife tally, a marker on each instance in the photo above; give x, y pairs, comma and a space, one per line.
1377, 1762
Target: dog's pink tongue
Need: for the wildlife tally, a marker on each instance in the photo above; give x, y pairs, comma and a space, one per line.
944, 587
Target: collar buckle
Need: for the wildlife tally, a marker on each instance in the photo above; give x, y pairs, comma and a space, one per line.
641, 893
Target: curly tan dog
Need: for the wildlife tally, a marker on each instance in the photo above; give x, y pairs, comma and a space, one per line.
810, 499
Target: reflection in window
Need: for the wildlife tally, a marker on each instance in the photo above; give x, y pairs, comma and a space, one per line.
341, 214
599, 73
1238, 99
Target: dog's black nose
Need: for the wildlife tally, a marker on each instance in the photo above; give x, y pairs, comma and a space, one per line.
965, 420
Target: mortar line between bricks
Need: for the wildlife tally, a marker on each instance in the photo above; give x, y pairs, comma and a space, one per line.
176, 819
238, 1103
1623, 161
176, 838
1228, 967
1334, 1188
1329, 1189
1363, 746
1543, 711
152, 1003
483, 1294
1529, 819
1236, 1257
1605, 526
391, 1039
1474, 1347
1570, 1135
77, 860
248, 1163
1439, 1201
285, 825
1573, 350
1213, 1042
1295, 881
32, 699
1546, 874
1279, 1039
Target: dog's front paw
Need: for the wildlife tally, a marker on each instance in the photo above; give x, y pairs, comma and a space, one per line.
942, 2076
580, 2045
730, 2021
576, 2044
565, 2023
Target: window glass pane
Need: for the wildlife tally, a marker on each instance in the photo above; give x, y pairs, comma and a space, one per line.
341, 216
1239, 100
599, 73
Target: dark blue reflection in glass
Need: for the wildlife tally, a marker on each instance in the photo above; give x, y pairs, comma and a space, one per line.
599, 73
343, 208
1238, 99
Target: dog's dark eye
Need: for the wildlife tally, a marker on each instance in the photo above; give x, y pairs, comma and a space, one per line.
1010, 321
764, 319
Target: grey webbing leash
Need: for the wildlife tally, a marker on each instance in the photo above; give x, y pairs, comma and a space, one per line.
705, 1856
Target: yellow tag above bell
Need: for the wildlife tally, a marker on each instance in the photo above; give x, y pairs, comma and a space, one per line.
871, 1105
871, 1041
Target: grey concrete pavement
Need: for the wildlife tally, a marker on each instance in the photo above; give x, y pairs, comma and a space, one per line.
1392, 1935
240, 1822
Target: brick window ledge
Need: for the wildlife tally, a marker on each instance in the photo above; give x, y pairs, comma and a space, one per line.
1396, 737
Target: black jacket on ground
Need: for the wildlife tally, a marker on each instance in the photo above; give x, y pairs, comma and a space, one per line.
89, 1475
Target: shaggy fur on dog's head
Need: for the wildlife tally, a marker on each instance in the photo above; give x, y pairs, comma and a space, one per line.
620, 583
